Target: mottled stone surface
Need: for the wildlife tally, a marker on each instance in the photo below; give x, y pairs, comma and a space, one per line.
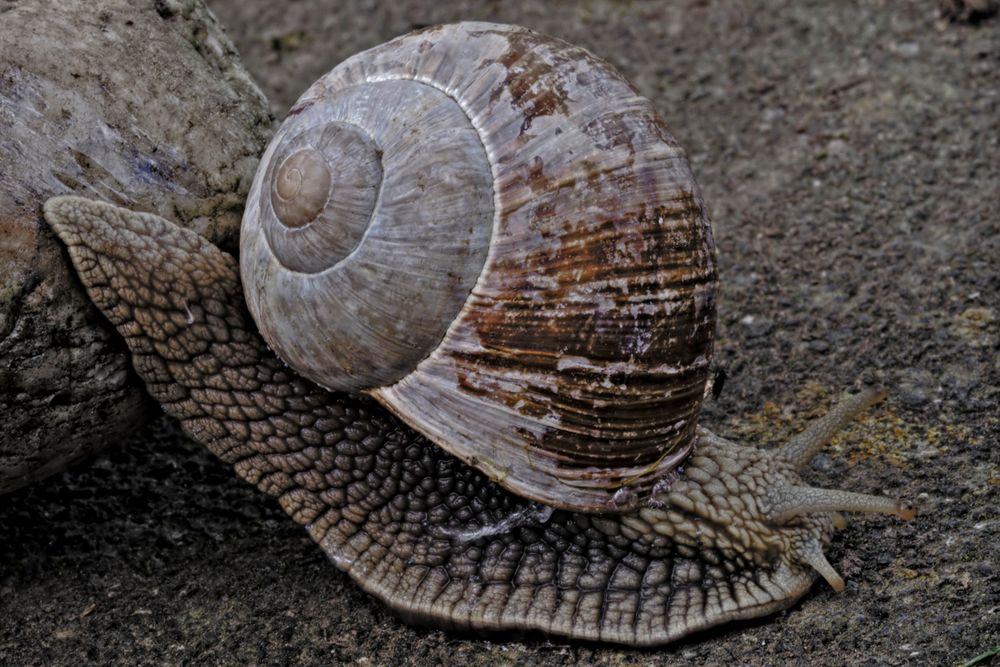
142, 104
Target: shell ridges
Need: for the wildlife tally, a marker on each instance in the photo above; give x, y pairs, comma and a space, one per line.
575, 358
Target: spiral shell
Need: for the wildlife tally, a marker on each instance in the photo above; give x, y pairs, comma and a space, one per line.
493, 234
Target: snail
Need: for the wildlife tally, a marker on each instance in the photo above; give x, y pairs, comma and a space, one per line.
466, 346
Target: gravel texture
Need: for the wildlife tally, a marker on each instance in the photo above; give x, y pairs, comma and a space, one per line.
848, 152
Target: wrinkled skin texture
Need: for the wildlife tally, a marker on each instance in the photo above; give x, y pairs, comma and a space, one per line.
732, 537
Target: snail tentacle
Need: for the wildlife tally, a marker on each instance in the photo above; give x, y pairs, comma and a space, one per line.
433, 538
811, 553
788, 502
802, 448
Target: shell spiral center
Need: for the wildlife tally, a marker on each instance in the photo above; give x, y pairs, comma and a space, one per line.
301, 188
323, 189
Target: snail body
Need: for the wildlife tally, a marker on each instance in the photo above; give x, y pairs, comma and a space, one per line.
555, 335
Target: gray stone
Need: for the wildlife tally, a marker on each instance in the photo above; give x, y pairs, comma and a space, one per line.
145, 105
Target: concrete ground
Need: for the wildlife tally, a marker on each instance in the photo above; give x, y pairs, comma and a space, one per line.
850, 155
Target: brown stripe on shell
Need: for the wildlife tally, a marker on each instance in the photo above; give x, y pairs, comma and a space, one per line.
626, 377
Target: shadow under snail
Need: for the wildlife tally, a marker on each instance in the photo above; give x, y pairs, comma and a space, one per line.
493, 235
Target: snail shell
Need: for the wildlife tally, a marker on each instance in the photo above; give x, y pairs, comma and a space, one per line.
493, 234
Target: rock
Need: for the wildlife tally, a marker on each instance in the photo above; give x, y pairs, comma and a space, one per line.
968, 11
142, 104
818, 345
915, 387
756, 327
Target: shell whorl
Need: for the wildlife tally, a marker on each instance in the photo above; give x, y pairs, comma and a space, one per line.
531, 282
327, 178
408, 203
